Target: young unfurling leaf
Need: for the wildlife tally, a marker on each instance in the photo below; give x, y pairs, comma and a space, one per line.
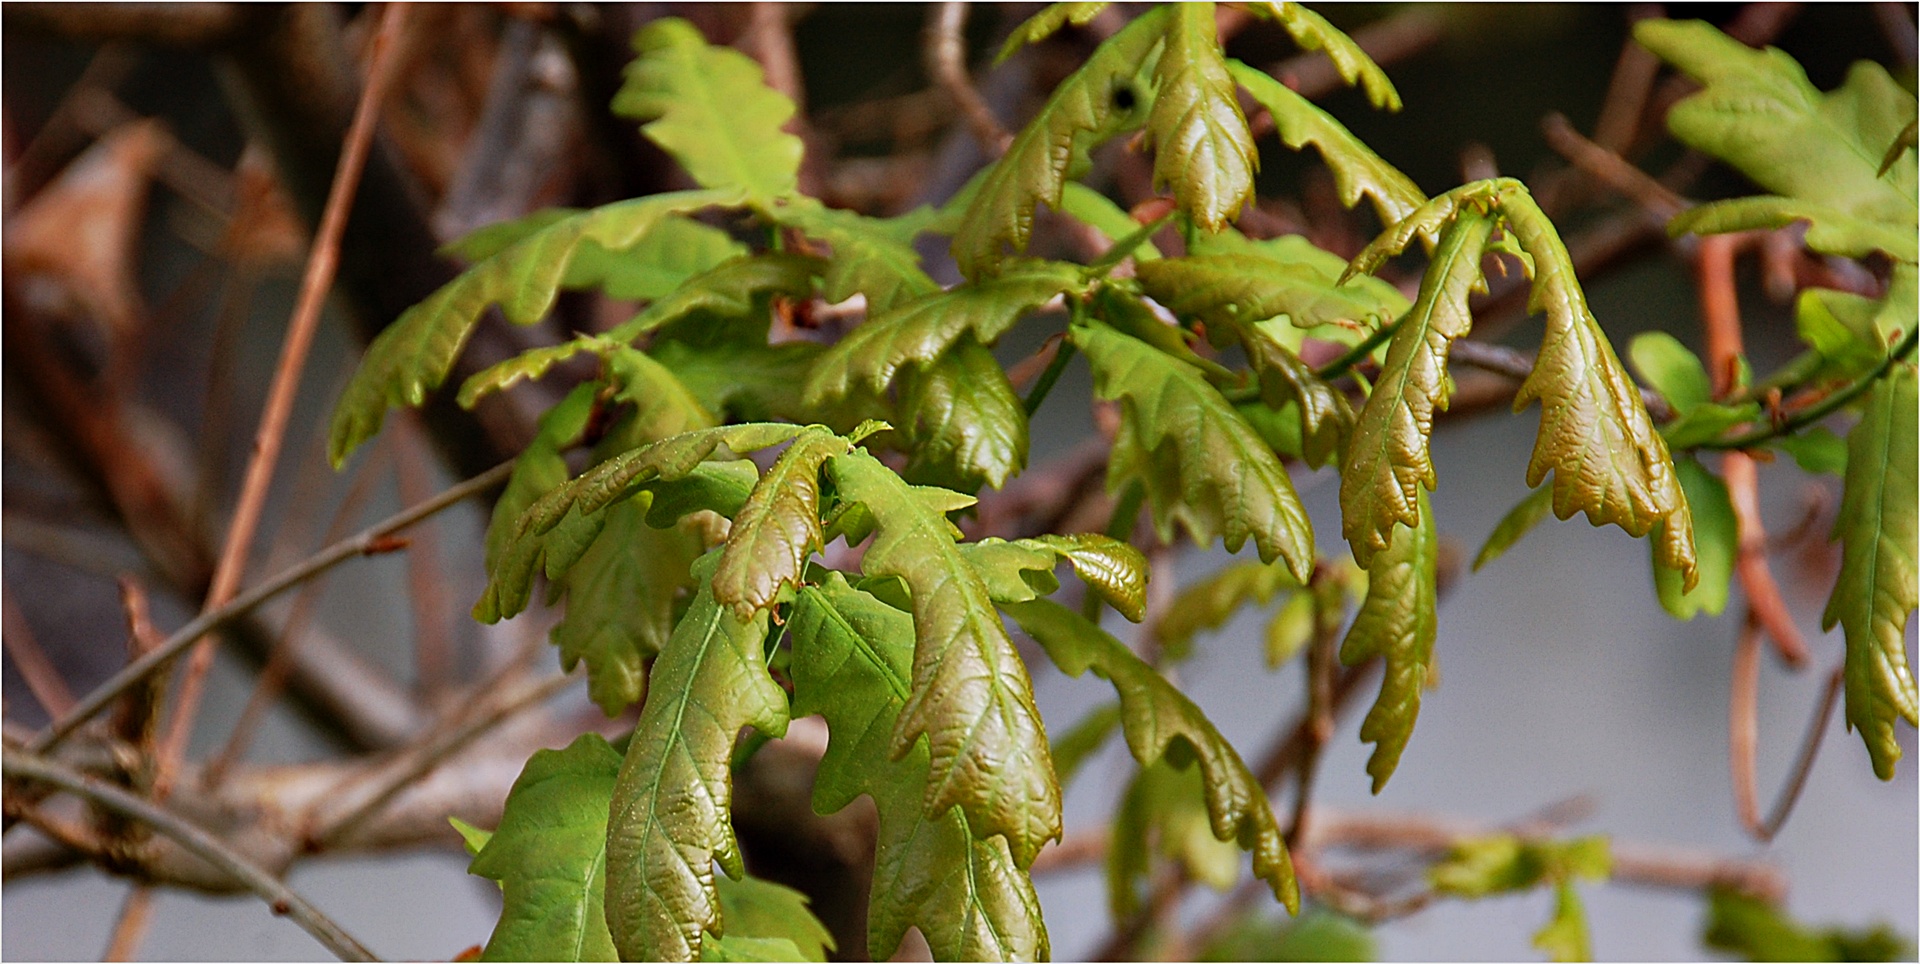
1202, 465
1396, 623
1021, 570
1357, 170
1875, 596
852, 661
971, 696
671, 805
1312, 32
414, 354
1485, 866
778, 528
1202, 146
1387, 463
1047, 22
963, 423
550, 856
1155, 716
711, 109
1100, 100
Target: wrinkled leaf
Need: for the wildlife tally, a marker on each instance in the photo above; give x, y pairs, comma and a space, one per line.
964, 425
778, 528
711, 109
1312, 32
1875, 595
871, 256
971, 696
1202, 147
620, 602
1155, 716
762, 910
1396, 623
671, 805
1357, 170
1047, 22
852, 661
728, 290
1202, 465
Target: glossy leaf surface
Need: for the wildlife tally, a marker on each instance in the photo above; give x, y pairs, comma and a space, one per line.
1396, 623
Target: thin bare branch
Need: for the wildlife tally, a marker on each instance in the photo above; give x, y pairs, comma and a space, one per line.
1609, 168
946, 52
43, 679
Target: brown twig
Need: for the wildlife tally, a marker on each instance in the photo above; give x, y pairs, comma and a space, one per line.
1743, 737
26, 766
321, 265
946, 52
366, 541
43, 679
1609, 168
432, 639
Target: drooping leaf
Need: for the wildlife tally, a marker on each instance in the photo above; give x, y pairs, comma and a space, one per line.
1156, 716
1201, 464
1202, 147
1716, 541
852, 661
1322, 278
530, 365
1082, 740
871, 256
1875, 595
1164, 812
1595, 434
1357, 170
1243, 287
1387, 463
1829, 230
711, 109
779, 527
1095, 210
1758, 112
1484, 866
1759, 931
620, 602
414, 354
671, 805
1210, 602
1326, 420
550, 857
1047, 22
1099, 101
762, 910
1312, 32
964, 425
1396, 623
1518, 521
971, 696
923, 329
539, 468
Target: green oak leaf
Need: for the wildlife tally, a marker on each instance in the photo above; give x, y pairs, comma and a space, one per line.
621, 595
1023, 569
1081, 741
1164, 812
852, 662
755, 909
873, 257
1485, 866
664, 258
1312, 32
964, 425
671, 804
1387, 461
1202, 465
1518, 521
414, 354
1210, 602
1048, 22
711, 109
727, 290
1396, 623
1095, 210
971, 696
1875, 595
778, 528
550, 857
921, 330
1357, 171
1244, 286
1716, 540
1156, 716
1202, 147
1101, 100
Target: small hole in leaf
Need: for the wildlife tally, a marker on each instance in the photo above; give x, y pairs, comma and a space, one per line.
1124, 99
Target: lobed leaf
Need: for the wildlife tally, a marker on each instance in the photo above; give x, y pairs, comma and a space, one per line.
1312, 32
1326, 420
1485, 866
664, 258
1099, 101
621, 593
1021, 570
550, 857
1241, 288
1357, 171
1210, 602
671, 804
414, 354
1047, 22
852, 660
1716, 539
871, 256
711, 109
1154, 716
1396, 623
755, 909
1201, 464
1164, 812
778, 528
925, 328
971, 696
1875, 595
964, 425
728, 290
1202, 147
1097, 211
1387, 461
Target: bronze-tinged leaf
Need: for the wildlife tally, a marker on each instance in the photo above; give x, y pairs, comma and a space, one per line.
964, 424
1875, 596
1396, 623
1202, 147
779, 527
1357, 170
971, 696
1387, 461
671, 815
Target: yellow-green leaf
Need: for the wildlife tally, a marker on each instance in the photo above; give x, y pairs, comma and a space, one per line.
1210, 602
1357, 170
1396, 623
1312, 32
1202, 147
964, 425
1716, 541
